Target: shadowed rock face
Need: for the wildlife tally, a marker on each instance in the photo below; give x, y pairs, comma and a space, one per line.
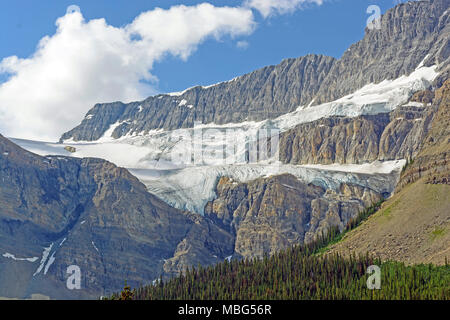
334, 140
270, 214
94, 215
409, 33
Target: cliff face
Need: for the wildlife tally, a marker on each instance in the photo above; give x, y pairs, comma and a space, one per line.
265, 93
393, 136
410, 34
334, 140
92, 214
270, 214
413, 226
433, 159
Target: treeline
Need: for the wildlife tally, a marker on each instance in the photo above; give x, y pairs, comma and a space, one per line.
300, 273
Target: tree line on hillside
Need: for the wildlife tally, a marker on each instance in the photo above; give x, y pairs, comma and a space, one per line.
301, 273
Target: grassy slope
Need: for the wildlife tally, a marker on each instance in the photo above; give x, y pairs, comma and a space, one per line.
413, 226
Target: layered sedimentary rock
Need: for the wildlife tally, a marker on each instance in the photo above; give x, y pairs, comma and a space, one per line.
89, 213
411, 34
265, 93
433, 159
270, 214
397, 135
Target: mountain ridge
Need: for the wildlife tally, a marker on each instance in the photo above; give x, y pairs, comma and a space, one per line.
410, 33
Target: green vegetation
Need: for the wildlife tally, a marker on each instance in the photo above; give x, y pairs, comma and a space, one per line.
300, 273
437, 233
335, 236
408, 163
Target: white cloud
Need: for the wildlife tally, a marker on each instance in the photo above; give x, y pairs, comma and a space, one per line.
86, 62
242, 44
271, 7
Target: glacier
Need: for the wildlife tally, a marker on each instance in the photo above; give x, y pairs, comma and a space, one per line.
165, 160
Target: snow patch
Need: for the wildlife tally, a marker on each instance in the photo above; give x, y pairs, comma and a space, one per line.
11, 256
414, 104
49, 263
93, 244
45, 255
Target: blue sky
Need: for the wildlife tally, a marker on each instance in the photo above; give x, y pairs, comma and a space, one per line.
55, 65
327, 29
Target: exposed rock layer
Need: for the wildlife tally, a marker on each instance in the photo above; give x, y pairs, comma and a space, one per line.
270, 214
411, 34
96, 216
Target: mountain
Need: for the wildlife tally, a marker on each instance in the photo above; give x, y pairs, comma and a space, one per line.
411, 34
262, 94
366, 138
267, 215
299, 273
62, 211
346, 127
414, 225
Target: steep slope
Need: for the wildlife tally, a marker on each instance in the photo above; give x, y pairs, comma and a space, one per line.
386, 136
412, 34
61, 211
262, 94
414, 225
270, 214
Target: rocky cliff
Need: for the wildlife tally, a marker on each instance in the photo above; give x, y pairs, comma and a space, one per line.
433, 159
411, 33
90, 213
413, 226
262, 94
397, 135
269, 214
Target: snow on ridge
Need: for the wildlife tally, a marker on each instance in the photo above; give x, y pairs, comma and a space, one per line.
191, 187
11, 256
371, 99
376, 167
180, 93
45, 255
49, 263
422, 62
95, 247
